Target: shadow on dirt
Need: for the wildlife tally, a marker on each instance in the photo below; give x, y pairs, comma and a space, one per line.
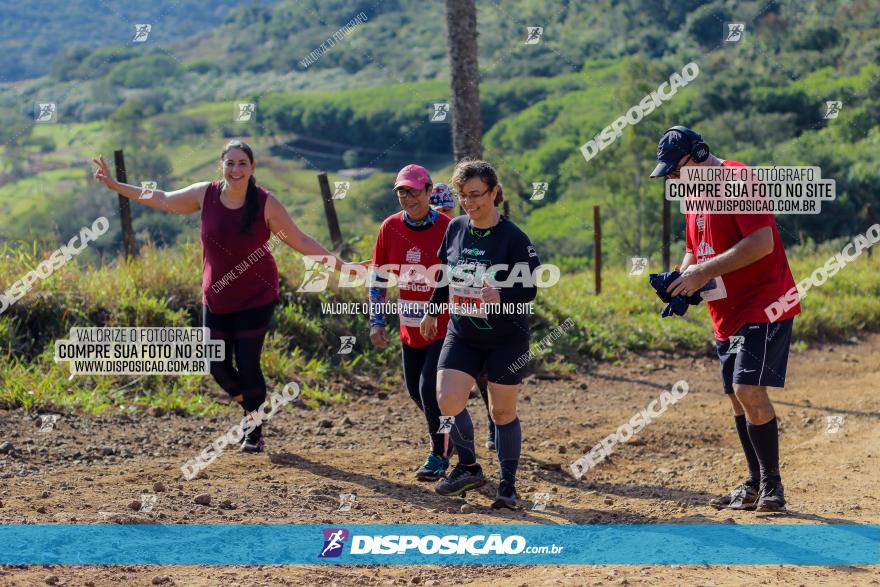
423, 496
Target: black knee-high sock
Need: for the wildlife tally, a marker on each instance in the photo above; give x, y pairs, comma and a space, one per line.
427, 391
462, 435
746, 442
765, 439
439, 446
508, 443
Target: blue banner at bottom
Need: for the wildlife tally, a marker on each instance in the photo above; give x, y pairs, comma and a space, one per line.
361, 544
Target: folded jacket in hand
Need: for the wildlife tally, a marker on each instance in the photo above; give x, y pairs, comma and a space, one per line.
675, 305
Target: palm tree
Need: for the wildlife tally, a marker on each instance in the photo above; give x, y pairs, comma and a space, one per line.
464, 74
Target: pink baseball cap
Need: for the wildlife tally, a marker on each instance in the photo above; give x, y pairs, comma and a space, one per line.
413, 176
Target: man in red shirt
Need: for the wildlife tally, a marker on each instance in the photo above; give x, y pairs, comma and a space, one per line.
407, 244
743, 254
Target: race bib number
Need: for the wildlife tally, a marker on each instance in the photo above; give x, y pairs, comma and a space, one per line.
411, 313
719, 292
466, 301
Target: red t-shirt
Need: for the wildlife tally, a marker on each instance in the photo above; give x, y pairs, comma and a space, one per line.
740, 296
414, 250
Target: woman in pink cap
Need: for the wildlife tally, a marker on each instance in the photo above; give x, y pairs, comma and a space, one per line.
409, 240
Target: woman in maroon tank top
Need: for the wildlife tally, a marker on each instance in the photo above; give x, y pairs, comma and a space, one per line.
239, 276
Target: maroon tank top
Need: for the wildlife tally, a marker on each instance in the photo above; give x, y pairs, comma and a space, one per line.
238, 270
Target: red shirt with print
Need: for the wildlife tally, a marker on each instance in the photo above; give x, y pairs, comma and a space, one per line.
412, 249
741, 296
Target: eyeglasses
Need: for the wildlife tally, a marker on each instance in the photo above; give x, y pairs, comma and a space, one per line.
465, 197
403, 194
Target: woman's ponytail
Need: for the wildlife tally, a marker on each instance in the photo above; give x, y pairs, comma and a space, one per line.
499, 195
251, 206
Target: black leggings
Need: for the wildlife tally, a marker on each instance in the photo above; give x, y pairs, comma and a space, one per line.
242, 334
420, 377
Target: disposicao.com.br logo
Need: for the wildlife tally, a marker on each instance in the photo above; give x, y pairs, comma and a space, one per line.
334, 540
430, 544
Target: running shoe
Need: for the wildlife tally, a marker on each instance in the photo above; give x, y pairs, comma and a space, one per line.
461, 480
253, 442
433, 469
772, 498
743, 497
506, 497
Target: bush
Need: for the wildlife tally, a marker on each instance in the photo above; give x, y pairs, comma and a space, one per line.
94, 111
43, 144
174, 128
146, 71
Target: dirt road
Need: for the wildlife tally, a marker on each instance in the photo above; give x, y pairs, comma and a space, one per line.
90, 470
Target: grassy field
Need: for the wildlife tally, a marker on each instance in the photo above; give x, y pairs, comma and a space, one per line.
161, 288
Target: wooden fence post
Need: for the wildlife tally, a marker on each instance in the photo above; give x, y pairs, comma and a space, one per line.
124, 207
330, 212
597, 248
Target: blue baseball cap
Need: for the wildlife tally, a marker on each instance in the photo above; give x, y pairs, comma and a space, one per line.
441, 197
672, 147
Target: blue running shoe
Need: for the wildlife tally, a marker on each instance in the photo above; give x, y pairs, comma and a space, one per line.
433, 469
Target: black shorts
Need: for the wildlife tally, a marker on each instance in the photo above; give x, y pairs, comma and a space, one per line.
505, 363
762, 357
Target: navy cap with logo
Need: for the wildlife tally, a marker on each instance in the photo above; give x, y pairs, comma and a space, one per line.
672, 147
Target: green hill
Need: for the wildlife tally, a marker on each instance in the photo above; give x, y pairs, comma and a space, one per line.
170, 104
35, 34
